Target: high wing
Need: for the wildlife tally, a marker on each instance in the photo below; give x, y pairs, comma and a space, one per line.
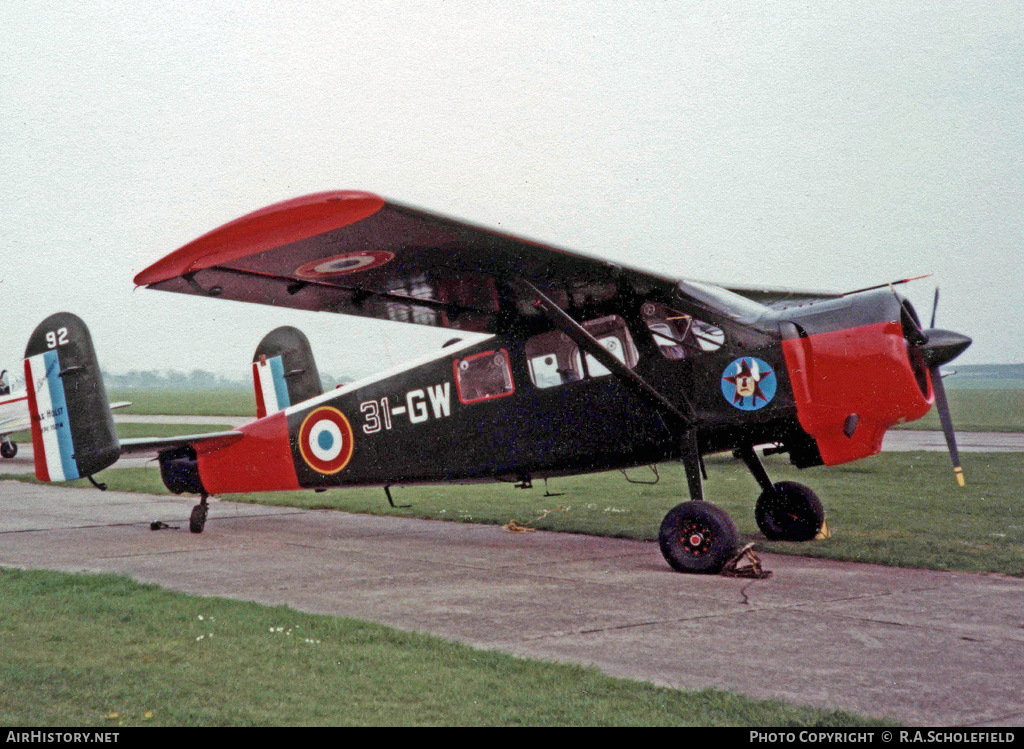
356, 253
783, 298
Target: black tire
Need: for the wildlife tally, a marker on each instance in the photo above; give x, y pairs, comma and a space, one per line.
698, 537
8, 449
789, 512
197, 521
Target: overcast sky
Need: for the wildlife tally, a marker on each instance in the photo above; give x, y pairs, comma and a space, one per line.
819, 145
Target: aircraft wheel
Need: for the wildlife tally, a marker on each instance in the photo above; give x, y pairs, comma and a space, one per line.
197, 521
698, 537
789, 512
8, 449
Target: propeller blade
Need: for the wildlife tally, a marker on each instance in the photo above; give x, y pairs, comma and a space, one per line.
942, 406
935, 307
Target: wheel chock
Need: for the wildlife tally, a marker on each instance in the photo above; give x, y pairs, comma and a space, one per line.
735, 567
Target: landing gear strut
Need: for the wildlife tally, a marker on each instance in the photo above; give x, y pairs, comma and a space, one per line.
197, 521
697, 536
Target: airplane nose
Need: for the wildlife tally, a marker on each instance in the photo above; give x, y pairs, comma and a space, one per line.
942, 346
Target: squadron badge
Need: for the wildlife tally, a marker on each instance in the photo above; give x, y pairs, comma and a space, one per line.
748, 383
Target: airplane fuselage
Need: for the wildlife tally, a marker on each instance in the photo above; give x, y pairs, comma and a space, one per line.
532, 405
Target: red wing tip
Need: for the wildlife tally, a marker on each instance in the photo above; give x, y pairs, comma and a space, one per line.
272, 226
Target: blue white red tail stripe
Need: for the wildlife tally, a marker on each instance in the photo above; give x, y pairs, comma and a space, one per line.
51, 426
270, 385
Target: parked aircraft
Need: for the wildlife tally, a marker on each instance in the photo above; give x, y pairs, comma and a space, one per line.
589, 366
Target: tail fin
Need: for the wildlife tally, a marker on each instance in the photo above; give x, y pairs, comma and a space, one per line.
72, 428
284, 371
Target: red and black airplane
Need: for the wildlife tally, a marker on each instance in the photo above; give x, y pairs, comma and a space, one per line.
590, 366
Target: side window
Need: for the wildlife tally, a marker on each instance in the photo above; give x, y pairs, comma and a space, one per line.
483, 376
678, 334
554, 359
612, 333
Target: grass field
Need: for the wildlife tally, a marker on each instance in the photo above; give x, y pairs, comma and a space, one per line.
900, 509
221, 402
977, 410
104, 651
101, 650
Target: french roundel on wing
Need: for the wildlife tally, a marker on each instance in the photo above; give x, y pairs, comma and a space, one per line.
340, 265
325, 440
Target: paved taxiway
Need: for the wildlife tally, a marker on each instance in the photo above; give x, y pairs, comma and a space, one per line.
921, 647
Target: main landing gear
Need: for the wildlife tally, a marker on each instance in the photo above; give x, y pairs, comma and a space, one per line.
197, 521
786, 511
789, 512
697, 536
8, 449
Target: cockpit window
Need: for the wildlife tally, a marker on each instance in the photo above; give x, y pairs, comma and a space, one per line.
678, 334
554, 359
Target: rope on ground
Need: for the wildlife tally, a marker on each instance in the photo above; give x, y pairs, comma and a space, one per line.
513, 526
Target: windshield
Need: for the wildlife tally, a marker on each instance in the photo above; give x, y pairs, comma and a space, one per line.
727, 302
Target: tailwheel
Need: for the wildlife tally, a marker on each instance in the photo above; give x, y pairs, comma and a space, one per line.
789, 512
698, 537
8, 449
197, 521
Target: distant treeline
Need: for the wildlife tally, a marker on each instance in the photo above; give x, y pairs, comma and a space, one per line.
197, 379
990, 371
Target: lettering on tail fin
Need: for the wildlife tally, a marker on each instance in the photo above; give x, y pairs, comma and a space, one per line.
51, 429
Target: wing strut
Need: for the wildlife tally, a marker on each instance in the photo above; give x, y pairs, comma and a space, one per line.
582, 338
686, 422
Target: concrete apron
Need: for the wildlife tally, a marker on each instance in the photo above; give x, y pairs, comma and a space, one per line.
920, 647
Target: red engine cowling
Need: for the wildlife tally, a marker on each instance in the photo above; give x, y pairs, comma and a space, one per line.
854, 374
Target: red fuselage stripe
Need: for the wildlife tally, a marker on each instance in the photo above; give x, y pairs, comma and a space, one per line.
259, 462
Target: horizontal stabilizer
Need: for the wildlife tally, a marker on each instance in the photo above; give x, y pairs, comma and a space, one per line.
203, 442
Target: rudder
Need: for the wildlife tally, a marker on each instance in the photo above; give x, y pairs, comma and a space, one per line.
284, 371
73, 432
